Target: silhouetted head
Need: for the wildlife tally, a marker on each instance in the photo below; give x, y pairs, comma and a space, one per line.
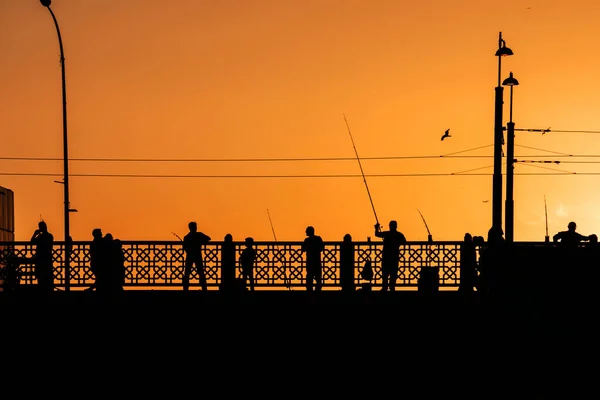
478, 241
593, 238
108, 237
347, 237
572, 226
193, 226
42, 226
249, 241
310, 231
97, 233
468, 237
393, 225
228, 238
118, 243
495, 235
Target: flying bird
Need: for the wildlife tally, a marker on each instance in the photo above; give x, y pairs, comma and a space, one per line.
446, 134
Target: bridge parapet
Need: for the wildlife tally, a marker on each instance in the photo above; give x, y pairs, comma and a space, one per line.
160, 264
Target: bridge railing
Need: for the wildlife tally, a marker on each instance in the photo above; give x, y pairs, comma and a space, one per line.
160, 264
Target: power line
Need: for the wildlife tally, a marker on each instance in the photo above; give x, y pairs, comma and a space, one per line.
548, 151
282, 176
555, 131
551, 169
555, 154
230, 159
548, 130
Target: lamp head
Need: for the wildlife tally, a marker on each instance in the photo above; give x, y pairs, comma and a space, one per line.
510, 81
46, 3
503, 50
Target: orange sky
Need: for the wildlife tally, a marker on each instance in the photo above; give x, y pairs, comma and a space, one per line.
272, 79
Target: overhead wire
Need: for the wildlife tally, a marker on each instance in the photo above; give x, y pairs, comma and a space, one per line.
285, 176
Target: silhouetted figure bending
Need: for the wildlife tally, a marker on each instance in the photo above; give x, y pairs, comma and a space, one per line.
313, 247
192, 245
43, 242
347, 264
570, 239
390, 258
247, 259
228, 263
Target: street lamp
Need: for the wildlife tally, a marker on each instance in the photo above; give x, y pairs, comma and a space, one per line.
510, 160
67, 210
502, 51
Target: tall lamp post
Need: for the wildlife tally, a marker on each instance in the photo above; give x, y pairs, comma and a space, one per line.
509, 206
67, 210
502, 51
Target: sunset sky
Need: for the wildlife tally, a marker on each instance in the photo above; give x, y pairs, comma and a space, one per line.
257, 79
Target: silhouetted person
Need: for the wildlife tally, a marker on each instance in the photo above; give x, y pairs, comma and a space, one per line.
97, 256
468, 264
390, 258
228, 263
347, 264
43, 241
192, 245
247, 259
492, 260
479, 243
107, 271
313, 246
570, 239
118, 267
367, 276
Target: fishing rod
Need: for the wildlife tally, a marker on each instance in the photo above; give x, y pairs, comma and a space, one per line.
177, 236
429, 237
361, 170
547, 239
286, 281
271, 222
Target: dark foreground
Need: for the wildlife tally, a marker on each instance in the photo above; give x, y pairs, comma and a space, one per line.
356, 332
412, 309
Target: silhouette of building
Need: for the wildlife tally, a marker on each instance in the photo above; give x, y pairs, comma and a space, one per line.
7, 215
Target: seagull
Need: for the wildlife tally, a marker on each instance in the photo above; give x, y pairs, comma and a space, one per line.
446, 134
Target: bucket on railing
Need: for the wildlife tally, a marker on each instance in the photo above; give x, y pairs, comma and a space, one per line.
429, 279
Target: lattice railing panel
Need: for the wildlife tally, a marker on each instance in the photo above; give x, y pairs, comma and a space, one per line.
153, 264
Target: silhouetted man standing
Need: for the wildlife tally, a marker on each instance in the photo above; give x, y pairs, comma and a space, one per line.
247, 260
192, 245
313, 246
347, 263
390, 258
98, 259
43, 241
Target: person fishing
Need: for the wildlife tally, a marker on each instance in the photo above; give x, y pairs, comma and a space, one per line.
392, 240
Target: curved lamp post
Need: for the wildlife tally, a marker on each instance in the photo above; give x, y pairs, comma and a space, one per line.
67, 210
502, 51
510, 161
